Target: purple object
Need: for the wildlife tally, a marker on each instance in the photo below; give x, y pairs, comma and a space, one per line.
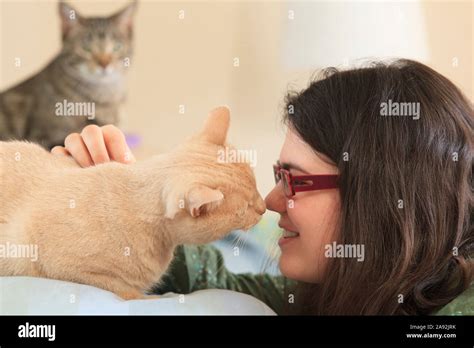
133, 140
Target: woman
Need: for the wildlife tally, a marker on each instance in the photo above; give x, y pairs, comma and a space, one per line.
393, 234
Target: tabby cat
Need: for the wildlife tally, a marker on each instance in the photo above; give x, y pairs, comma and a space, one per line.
115, 226
83, 84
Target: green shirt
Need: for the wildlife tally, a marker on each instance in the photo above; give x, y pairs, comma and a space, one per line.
202, 267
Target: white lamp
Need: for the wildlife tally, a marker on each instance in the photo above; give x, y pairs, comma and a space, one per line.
320, 34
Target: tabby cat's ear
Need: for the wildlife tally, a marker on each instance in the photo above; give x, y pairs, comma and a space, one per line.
217, 125
124, 18
199, 200
69, 17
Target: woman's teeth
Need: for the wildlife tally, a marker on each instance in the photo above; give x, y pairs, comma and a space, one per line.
289, 234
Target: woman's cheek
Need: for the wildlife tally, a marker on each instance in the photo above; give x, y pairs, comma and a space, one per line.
316, 222
313, 242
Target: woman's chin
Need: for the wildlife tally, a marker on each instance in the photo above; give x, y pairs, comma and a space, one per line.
294, 268
289, 266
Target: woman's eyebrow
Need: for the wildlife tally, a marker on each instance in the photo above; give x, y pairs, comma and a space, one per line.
290, 165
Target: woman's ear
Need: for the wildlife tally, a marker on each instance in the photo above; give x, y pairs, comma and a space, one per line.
198, 200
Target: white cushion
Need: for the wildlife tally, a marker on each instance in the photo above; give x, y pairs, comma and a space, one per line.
40, 296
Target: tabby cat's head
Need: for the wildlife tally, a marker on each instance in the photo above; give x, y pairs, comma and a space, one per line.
97, 47
207, 194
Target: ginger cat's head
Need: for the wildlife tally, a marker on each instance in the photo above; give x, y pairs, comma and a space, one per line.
206, 197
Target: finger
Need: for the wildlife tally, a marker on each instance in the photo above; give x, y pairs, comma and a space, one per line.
116, 145
94, 141
60, 150
78, 150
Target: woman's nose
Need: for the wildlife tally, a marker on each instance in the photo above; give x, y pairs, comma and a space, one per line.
276, 200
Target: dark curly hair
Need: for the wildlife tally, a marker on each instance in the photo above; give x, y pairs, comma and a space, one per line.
405, 186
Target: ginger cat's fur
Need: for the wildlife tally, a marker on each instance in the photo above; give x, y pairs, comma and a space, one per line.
115, 226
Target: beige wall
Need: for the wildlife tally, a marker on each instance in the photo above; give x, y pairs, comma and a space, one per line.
450, 36
190, 62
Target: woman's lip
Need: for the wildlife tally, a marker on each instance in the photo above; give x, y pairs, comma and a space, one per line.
286, 228
284, 240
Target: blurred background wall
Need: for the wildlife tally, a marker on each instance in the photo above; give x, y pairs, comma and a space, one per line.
243, 54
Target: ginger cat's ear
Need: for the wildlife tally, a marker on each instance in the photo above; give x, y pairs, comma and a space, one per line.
217, 125
203, 199
199, 200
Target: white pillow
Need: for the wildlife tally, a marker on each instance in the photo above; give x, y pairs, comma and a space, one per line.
40, 296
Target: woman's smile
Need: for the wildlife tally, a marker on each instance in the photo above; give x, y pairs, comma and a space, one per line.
287, 235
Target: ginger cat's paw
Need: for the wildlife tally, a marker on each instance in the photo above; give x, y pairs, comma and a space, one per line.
135, 295
130, 295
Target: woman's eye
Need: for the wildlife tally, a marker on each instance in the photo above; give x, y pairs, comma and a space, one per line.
302, 182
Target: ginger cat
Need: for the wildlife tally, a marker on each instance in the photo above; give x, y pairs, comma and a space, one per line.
115, 226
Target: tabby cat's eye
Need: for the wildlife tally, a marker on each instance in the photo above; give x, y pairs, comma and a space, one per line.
86, 42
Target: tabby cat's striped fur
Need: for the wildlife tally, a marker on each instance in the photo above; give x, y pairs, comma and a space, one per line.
90, 68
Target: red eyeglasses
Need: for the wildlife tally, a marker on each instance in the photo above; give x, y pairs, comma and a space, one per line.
298, 183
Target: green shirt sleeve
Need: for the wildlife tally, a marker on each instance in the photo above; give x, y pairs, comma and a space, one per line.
202, 267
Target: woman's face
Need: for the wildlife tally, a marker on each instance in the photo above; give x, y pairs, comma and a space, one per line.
312, 214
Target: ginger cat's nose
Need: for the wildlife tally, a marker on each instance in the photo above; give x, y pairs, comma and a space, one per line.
260, 206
